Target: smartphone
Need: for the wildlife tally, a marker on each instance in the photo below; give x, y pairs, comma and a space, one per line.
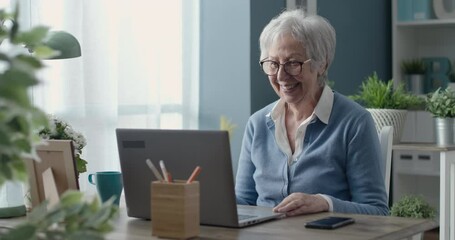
330, 222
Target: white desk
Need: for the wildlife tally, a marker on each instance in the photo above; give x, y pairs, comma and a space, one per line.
447, 184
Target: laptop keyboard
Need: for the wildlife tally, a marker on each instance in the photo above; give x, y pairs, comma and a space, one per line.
244, 216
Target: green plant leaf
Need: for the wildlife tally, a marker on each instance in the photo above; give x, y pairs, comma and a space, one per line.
81, 165
29, 60
45, 52
39, 212
441, 103
86, 235
23, 232
32, 37
95, 220
71, 197
375, 93
412, 206
4, 138
7, 172
413, 66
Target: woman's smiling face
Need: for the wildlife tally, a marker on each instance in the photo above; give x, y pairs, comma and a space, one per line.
292, 89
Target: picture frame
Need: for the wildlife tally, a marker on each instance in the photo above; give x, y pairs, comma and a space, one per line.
309, 5
54, 173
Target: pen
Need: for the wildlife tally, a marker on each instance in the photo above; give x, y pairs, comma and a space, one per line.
154, 170
163, 169
193, 176
169, 177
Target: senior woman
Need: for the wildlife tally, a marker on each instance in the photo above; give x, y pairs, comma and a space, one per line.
313, 150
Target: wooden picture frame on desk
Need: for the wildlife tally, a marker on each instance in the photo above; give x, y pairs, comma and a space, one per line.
54, 174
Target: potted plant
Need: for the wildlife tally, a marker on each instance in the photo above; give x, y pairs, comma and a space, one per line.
441, 104
20, 121
414, 75
412, 206
60, 130
387, 105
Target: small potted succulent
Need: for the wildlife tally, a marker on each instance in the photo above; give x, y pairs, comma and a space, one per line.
441, 104
414, 75
413, 66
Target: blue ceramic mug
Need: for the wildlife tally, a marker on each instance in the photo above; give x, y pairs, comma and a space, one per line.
108, 184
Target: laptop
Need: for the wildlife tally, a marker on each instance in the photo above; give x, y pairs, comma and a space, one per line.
182, 151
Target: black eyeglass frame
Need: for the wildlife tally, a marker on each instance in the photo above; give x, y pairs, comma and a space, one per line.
283, 64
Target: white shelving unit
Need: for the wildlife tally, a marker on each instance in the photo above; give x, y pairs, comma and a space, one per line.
421, 169
417, 39
428, 170
416, 171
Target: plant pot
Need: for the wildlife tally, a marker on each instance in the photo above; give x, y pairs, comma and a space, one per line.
444, 131
389, 117
415, 83
11, 200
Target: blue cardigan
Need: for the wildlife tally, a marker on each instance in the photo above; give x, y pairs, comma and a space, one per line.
340, 159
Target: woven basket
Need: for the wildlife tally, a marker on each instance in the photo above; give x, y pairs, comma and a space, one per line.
389, 117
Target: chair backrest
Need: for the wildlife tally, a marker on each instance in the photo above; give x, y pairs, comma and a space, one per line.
386, 139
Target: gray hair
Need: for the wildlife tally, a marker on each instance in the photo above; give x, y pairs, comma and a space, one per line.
314, 32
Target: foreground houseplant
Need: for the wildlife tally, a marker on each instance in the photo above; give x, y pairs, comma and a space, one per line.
19, 123
19, 119
441, 104
387, 105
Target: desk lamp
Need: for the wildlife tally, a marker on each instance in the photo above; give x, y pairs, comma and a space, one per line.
65, 43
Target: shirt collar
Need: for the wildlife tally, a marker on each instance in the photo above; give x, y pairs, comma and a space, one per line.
322, 109
277, 110
325, 104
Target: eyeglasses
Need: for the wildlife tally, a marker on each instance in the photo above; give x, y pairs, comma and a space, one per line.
292, 68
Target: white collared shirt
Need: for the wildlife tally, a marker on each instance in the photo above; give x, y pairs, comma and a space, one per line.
322, 111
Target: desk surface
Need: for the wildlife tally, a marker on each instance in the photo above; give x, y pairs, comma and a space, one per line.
366, 227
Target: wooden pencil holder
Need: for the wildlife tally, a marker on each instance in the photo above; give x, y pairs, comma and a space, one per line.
175, 209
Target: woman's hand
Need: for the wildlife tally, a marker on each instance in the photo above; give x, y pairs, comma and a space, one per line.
302, 203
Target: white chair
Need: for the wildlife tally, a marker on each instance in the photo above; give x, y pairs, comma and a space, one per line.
386, 139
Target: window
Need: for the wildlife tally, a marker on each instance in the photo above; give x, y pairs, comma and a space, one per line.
139, 69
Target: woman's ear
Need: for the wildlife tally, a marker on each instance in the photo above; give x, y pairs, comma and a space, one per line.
321, 67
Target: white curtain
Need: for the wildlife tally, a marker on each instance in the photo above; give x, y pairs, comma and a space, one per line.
139, 69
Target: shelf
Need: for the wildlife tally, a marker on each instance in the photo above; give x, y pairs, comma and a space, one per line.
426, 147
416, 173
430, 22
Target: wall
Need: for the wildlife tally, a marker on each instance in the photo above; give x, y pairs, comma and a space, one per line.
261, 11
363, 41
225, 66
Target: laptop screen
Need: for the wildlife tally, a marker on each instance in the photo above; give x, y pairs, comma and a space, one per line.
181, 151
